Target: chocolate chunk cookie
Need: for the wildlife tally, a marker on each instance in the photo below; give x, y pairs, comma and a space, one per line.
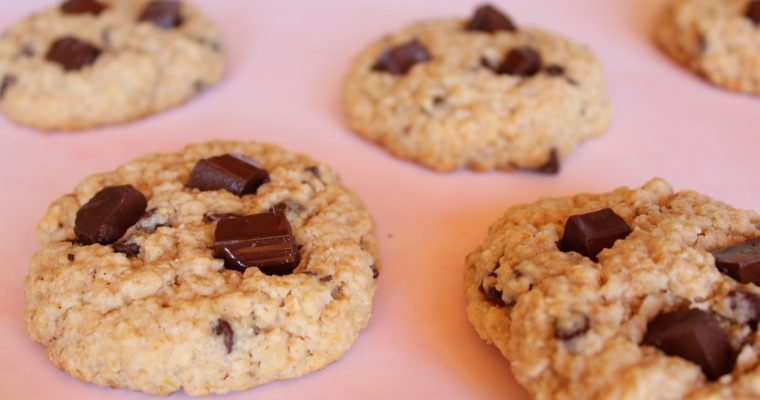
221, 267
633, 294
480, 93
87, 63
717, 39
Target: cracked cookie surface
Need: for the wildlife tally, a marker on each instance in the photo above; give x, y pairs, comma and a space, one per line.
454, 109
572, 328
717, 39
157, 312
143, 64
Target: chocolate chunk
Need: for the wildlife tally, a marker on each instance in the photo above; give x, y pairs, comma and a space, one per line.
82, 7
375, 271
554, 70
746, 306
490, 292
400, 59
753, 12
488, 18
314, 171
128, 248
588, 234
109, 214
212, 217
236, 173
71, 257
741, 262
522, 61
72, 54
223, 328
571, 327
262, 240
8, 81
694, 335
163, 14
551, 166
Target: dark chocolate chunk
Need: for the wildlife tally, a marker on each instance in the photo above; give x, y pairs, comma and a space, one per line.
488, 18
109, 214
212, 217
746, 307
164, 14
554, 70
400, 59
694, 335
588, 234
130, 249
8, 81
236, 173
314, 171
741, 262
571, 327
72, 54
490, 292
71, 257
261, 240
522, 61
224, 329
82, 7
753, 11
551, 166
375, 271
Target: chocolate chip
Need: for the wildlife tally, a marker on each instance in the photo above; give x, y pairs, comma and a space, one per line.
163, 14
236, 173
223, 328
694, 335
128, 248
551, 166
753, 12
71, 257
72, 54
82, 7
588, 234
488, 18
400, 59
8, 81
554, 70
741, 262
490, 292
375, 271
314, 171
261, 240
746, 307
571, 326
109, 214
212, 217
522, 61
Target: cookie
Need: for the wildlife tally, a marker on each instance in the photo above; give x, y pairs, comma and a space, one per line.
479, 93
87, 63
633, 294
221, 267
717, 39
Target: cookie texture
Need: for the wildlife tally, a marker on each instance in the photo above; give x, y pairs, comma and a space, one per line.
573, 328
717, 39
459, 107
157, 312
138, 64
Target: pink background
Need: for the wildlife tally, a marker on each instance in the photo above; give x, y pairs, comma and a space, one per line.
287, 60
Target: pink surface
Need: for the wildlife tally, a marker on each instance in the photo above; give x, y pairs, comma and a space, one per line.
287, 60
